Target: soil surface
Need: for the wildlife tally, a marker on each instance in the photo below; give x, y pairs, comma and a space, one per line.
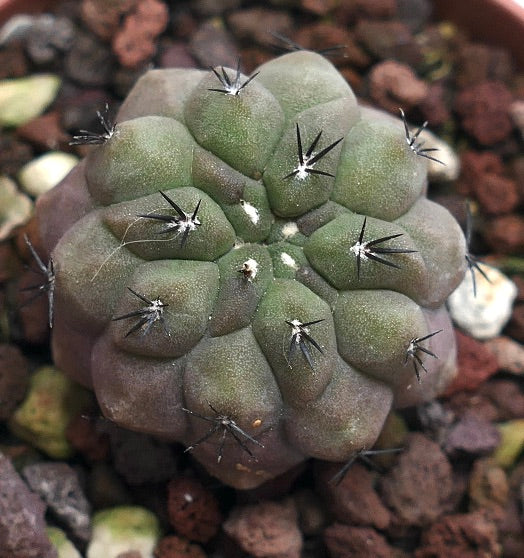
456, 489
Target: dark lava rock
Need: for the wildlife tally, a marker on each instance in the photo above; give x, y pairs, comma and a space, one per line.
59, 487
22, 525
89, 62
138, 457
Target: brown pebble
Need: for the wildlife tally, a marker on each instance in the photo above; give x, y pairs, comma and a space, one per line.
320, 36
254, 24
9, 262
174, 546
212, 45
83, 435
14, 153
354, 500
393, 85
507, 396
488, 487
483, 177
348, 12
505, 234
388, 40
266, 530
434, 108
345, 541
44, 132
13, 62
515, 327
14, 375
421, 464
475, 364
311, 513
509, 354
484, 111
472, 434
470, 535
176, 55
103, 18
135, 41
463, 402
192, 509
496, 194
478, 62
318, 7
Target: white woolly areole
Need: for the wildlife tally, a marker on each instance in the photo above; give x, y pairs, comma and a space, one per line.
251, 267
483, 316
288, 260
251, 211
289, 229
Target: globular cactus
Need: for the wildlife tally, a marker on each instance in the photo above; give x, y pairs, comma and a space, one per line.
249, 266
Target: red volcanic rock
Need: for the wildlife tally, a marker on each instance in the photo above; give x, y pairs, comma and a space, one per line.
177, 547
393, 85
468, 535
83, 435
135, 41
354, 500
22, 524
193, 510
320, 36
266, 530
419, 488
482, 176
484, 110
472, 434
344, 541
102, 17
505, 234
475, 364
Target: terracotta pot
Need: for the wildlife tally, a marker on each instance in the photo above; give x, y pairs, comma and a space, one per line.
498, 22
9, 8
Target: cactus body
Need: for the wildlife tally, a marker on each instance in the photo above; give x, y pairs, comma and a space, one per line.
220, 273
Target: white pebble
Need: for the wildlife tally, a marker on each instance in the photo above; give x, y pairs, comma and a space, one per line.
122, 529
438, 172
63, 545
41, 174
483, 316
15, 207
23, 99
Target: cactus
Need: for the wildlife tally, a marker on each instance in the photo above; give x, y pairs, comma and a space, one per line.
249, 265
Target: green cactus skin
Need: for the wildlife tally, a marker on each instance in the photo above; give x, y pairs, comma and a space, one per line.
215, 369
